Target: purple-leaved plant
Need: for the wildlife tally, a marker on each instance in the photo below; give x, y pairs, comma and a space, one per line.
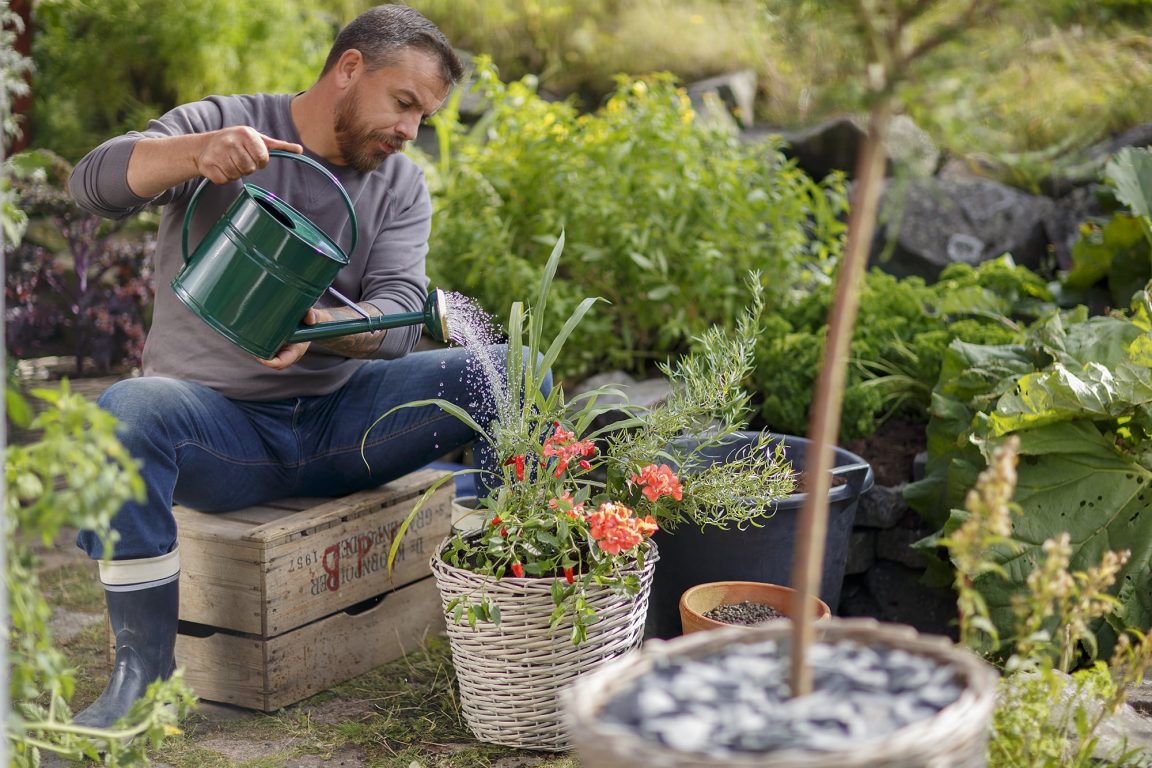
76, 282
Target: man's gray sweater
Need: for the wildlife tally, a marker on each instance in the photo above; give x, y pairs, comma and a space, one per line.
393, 212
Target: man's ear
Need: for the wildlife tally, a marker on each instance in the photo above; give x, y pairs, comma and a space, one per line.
348, 67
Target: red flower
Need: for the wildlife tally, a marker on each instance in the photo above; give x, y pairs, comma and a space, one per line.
659, 481
563, 446
519, 462
518, 570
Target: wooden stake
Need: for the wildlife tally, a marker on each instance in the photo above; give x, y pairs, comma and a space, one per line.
825, 423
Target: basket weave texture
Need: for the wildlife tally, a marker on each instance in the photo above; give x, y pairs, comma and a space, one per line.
956, 737
513, 677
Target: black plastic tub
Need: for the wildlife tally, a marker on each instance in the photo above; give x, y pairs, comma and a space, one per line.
692, 556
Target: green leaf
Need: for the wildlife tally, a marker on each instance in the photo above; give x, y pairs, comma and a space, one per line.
1071, 478
1131, 171
398, 539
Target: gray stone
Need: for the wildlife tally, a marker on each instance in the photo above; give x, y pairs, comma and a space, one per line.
1063, 222
858, 692
895, 544
643, 394
736, 91
903, 598
835, 145
881, 507
861, 551
856, 599
1140, 696
928, 224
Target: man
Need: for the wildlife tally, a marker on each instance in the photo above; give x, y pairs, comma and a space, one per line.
217, 429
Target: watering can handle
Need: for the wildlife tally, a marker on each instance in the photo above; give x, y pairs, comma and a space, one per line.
293, 156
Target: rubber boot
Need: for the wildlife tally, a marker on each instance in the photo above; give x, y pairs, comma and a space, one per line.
144, 618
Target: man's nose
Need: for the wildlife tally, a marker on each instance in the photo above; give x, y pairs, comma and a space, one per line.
408, 128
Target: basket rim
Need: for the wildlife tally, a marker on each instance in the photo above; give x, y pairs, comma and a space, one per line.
592, 692
436, 561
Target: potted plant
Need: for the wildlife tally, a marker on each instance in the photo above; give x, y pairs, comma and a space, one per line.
721, 604
555, 579
760, 549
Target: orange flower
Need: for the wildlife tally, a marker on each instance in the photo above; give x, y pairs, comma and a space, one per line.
565, 502
616, 530
562, 445
659, 481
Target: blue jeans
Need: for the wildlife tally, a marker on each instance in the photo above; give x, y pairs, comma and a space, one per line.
203, 450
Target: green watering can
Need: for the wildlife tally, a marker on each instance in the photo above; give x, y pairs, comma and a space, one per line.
263, 265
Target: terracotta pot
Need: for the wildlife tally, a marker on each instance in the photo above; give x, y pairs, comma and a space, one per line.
700, 599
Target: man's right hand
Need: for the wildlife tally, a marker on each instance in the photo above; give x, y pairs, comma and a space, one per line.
227, 154
234, 152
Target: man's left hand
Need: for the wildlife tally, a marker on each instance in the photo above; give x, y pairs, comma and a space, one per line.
290, 353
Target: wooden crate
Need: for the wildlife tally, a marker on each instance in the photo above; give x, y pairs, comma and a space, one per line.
268, 569
281, 601
270, 673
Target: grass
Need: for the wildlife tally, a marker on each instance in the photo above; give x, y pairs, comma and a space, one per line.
405, 714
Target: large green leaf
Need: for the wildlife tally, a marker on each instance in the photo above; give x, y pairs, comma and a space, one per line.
1131, 171
1071, 477
1119, 251
1078, 394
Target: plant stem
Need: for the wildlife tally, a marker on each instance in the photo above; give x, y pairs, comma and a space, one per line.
825, 424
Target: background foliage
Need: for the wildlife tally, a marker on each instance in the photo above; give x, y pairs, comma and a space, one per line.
1055, 74
664, 218
107, 67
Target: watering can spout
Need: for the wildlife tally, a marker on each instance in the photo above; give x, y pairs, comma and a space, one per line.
434, 317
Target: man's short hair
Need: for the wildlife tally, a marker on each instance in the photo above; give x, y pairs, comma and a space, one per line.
380, 33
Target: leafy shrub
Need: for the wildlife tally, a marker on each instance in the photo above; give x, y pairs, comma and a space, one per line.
75, 280
1044, 715
664, 217
104, 68
76, 475
901, 335
1076, 391
1117, 252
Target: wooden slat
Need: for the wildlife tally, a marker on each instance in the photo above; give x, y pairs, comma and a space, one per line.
270, 674
341, 565
309, 521
225, 668
329, 652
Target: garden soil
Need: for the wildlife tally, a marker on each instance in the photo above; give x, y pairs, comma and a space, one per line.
399, 716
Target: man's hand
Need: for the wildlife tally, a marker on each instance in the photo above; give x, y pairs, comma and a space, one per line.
161, 162
290, 353
233, 152
355, 345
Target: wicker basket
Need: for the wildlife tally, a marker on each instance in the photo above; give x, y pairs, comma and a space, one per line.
955, 738
512, 677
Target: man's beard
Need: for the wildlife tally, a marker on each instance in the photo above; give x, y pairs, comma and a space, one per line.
359, 146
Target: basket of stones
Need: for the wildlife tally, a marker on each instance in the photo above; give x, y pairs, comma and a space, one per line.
882, 695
